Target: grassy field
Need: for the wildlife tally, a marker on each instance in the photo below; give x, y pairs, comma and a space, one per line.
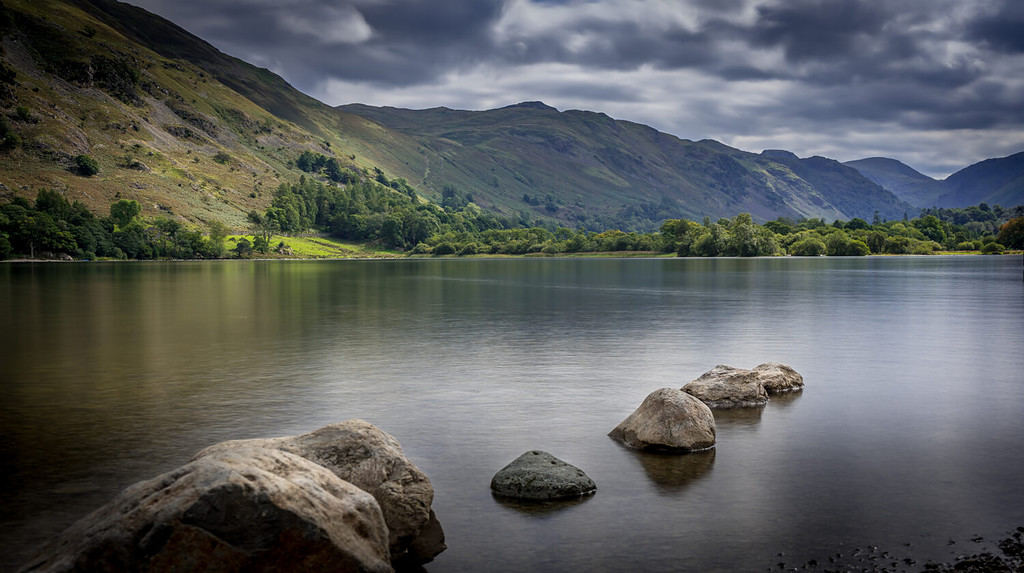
316, 248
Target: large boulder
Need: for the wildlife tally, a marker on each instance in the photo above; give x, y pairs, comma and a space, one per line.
727, 387
778, 378
239, 510
539, 475
668, 420
371, 459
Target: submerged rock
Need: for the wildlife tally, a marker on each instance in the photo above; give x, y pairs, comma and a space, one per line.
539, 475
728, 387
244, 509
668, 420
371, 459
778, 378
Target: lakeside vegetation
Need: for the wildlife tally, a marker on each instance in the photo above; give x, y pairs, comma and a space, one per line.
380, 217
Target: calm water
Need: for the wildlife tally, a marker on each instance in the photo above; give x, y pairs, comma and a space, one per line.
911, 429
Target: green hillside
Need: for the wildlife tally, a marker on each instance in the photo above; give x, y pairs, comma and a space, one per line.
171, 122
586, 168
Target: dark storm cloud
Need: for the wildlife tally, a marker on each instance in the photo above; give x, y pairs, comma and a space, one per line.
745, 71
1002, 29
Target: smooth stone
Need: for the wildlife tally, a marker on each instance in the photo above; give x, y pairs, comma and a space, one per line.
239, 510
371, 459
668, 420
778, 378
539, 475
728, 387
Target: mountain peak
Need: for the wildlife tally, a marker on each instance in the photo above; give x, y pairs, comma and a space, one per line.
531, 105
779, 154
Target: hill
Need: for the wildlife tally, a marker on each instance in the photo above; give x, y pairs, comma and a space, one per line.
170, 121
586, 168
994, 181
902, 180
997, 181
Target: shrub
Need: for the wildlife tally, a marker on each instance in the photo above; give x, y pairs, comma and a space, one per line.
992, 249
444, 249
966, 246
86, 166
809, 247
924, 247
221, 157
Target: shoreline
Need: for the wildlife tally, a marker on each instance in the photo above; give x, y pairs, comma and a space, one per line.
592, 255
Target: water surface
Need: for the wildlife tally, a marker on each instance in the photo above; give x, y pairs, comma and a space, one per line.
910, 429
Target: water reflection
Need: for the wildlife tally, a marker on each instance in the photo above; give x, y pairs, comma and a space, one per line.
784, 400
738, 416
673, 472
537, 507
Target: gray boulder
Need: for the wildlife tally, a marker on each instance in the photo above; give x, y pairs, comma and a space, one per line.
372, 460
239, 510
668, 420
539, 475
727, 387
778, 378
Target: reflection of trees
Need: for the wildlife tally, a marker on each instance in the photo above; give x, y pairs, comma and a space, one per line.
673, 471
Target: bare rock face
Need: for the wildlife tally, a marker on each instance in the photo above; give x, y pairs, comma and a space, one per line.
238, 510
727, 387
372, 460
668, 420
778, 378
539, 475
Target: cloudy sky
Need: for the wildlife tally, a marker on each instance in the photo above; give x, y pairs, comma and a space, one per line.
938, 84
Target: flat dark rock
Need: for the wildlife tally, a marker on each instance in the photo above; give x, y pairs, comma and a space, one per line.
541, 476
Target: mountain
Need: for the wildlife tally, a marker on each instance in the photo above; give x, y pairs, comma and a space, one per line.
583, 167
993, 181
902, 180
196, 134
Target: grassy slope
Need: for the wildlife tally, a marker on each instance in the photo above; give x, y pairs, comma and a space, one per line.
317, 248
142, 147
591, 163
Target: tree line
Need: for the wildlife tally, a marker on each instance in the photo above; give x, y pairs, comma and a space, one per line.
364, 206
53, 227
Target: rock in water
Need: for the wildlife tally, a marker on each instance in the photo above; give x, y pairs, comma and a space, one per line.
239, 510
371, 459
777, 378
728, 387
668, 420
541, 476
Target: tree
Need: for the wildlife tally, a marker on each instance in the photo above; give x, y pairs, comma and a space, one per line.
217, 233
86, 166
1011, 233
808, 247
125, 211
243, 249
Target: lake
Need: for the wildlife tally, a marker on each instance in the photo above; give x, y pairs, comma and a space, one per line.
910, 430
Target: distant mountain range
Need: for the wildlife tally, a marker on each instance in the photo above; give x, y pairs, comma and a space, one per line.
196, 134
994, 181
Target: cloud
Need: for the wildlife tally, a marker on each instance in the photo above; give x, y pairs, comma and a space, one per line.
329, 25
928, 79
